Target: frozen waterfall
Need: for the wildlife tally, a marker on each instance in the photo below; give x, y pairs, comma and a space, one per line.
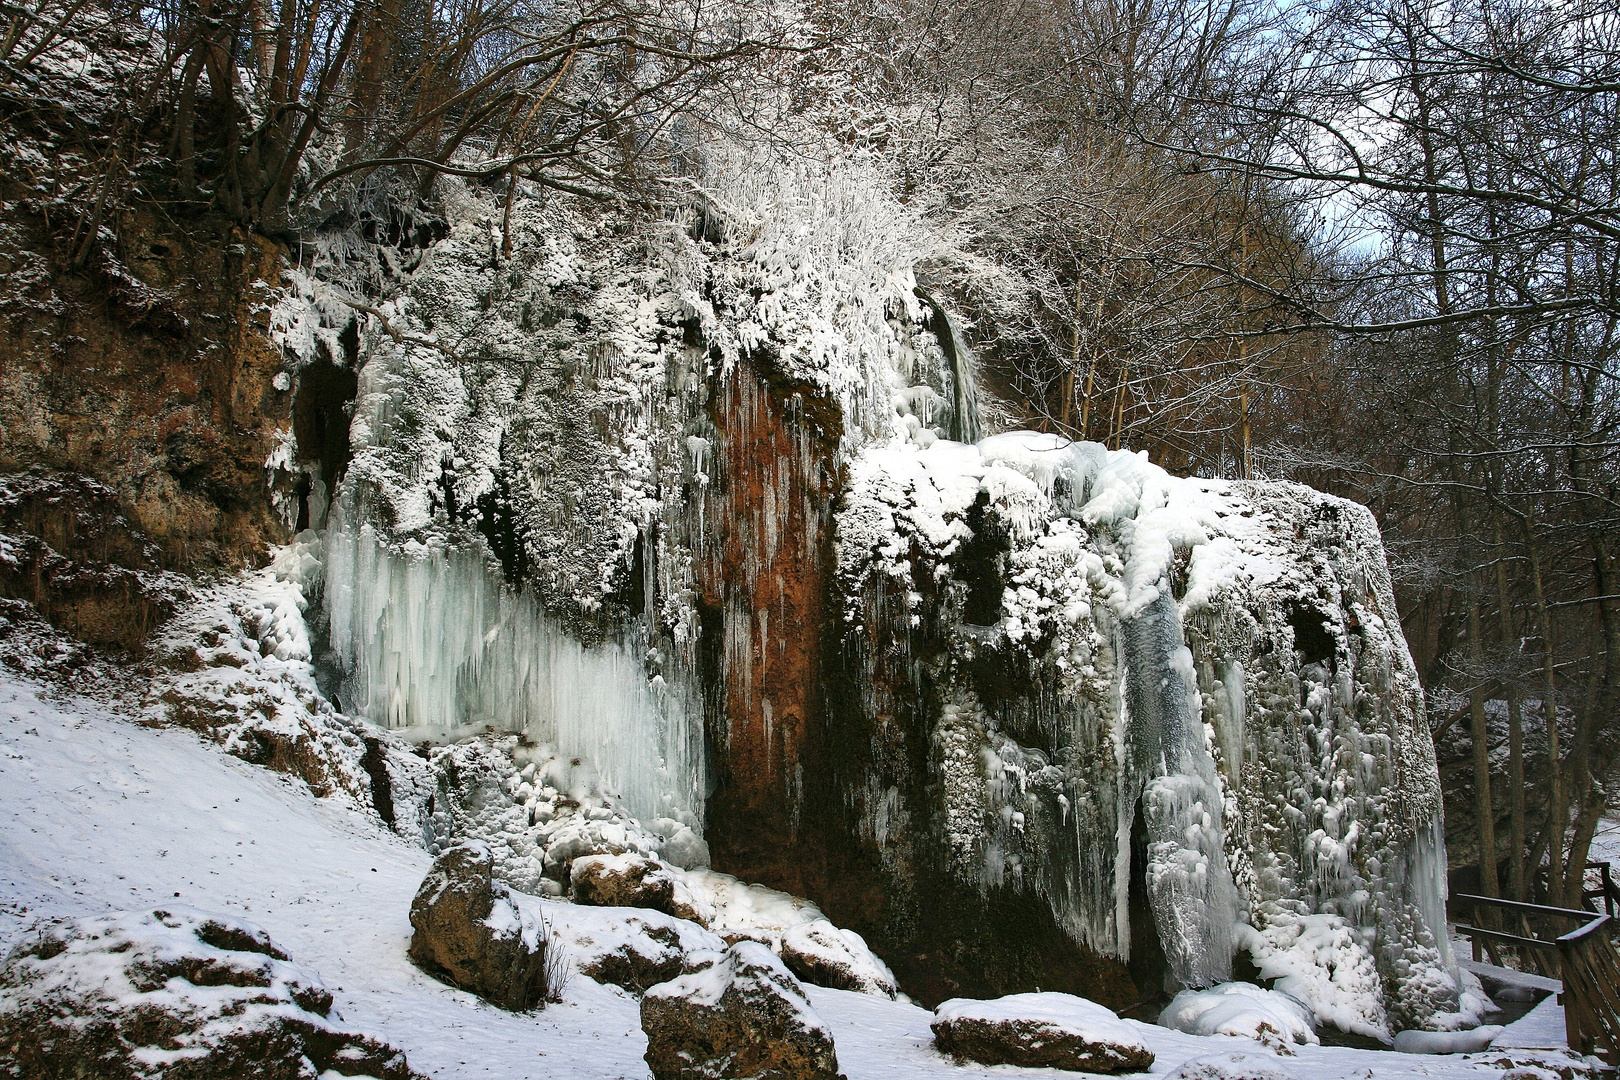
1189, 885
434, 643
1191, 706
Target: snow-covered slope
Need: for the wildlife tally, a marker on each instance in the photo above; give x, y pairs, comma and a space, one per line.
99, 813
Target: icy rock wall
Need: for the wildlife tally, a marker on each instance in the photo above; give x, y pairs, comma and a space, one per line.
434, 643
691, 509
641, 430
1171, 707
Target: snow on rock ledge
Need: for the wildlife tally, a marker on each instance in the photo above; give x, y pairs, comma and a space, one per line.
1058, 1031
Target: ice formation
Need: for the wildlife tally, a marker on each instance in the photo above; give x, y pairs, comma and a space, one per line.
1245, 1010
435, 644
1113, 657
655, 500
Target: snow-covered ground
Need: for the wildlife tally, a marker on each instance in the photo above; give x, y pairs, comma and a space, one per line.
99, 813
1606, 840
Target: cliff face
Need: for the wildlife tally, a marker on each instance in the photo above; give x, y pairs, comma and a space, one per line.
1022, 712
150, 369
704, 506
134, 351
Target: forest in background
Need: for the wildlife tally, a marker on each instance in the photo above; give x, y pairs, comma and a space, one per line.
1370, 246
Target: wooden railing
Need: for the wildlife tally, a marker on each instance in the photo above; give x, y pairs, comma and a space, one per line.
1572, 945
1606, 892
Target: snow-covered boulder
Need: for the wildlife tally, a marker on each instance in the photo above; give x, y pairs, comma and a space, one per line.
173, 993
1232, 1067
1243, 1009
1447, 1042
631, 881
820, 953
1057, 1031
742, 1015
628, 947
470, 931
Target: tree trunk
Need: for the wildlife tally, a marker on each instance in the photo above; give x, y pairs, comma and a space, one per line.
1557, 809
1486, 816
1516, 826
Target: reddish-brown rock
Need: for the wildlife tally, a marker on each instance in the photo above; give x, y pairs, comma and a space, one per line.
630, 881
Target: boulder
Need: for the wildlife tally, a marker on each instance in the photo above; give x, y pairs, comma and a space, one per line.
631, 881
1057, 1031
823, 955
176, 994
742, 1015
632, 948
472, 932
1237, 1008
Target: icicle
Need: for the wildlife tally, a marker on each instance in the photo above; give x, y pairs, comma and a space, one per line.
433, 642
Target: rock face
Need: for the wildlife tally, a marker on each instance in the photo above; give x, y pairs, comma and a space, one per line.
175, 994
742, 1015
1056, 1031
148, 363
470, 932
71, 553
